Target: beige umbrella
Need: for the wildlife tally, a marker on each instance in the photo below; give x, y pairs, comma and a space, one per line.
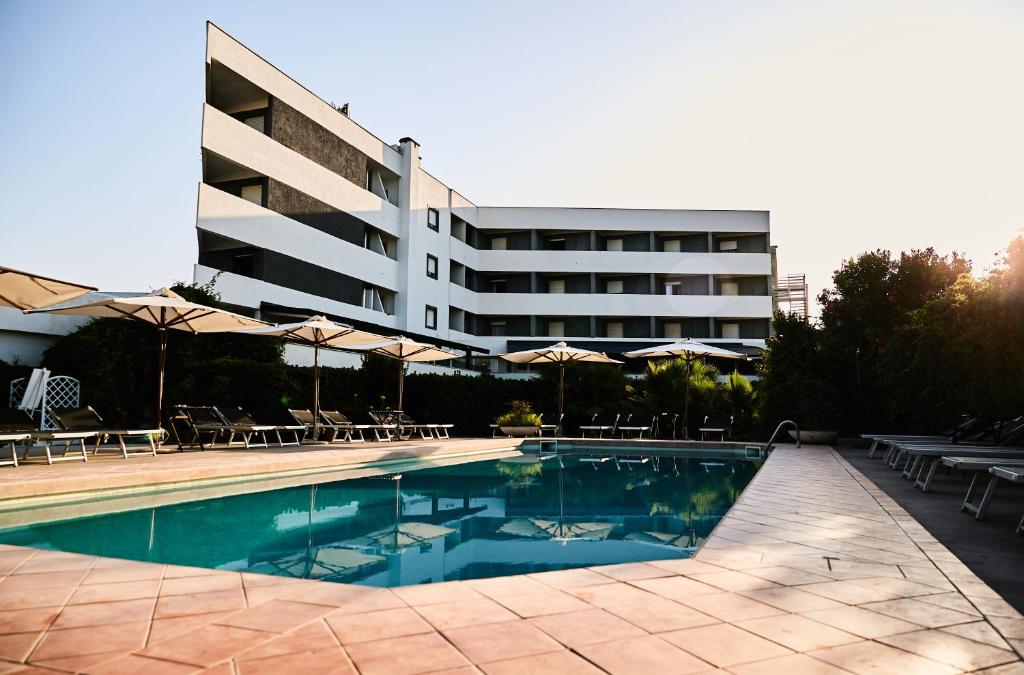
317, 332
689, 350
23, 290
406, 350
559, 353
163, 309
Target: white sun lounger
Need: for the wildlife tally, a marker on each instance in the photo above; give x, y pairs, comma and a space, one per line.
923, 462
11, 441
996, 473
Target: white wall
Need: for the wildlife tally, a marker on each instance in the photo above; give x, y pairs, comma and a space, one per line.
24, 337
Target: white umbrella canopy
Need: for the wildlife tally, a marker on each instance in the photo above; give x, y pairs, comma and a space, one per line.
406, 350
24, 290
559, 353
689, 350
164, 309
686, 348
317, 332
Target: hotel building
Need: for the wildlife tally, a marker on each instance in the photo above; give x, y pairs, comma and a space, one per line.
301, 210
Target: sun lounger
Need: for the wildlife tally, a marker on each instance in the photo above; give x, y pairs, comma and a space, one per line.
384, 427
664, 423
17, 423
391, 419
307, 419
554, 429
636, 424
87, 419
238, 417
996, 473
927, 461
600, 424
207, 420
715, 425
341, 422
11, 440
438, 431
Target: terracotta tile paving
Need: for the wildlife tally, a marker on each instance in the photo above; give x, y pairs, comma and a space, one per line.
815, 571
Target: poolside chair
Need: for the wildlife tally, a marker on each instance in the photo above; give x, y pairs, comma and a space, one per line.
637, 424
995, 474
438, 431
17, 423
554, 429
401, 425
599, 424
343, 423
385, 425
924, 462
207, 420
239, 417
87, 419
715, 425
307, 419
968, 426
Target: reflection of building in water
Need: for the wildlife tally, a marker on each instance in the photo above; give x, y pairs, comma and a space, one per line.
521, 516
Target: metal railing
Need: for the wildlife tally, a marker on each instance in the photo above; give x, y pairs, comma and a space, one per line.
778, 429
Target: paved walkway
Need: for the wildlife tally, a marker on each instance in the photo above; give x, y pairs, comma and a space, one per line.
813, 571
989, 547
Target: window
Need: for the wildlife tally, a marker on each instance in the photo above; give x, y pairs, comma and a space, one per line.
672, 246
728, 245
556, 328
431, 317
557, 244
556, 286
499, 285
613, 245
497, 328
431, 266
499, 243
614, 329
730, 288
434, 220
731, 331
673, 329
673, 288
614, 286
244, 264
253, 193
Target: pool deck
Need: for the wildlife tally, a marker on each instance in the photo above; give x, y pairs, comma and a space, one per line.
814, 570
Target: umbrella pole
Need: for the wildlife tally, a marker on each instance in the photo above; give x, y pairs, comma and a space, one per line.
401, 386
316, 392
161, 363
686, 402
561, 388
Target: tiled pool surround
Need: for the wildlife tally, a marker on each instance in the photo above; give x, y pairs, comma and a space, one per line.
813, 570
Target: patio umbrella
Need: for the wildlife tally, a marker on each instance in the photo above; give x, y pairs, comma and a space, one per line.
23, 290
317, 332
406, 350
559, 353
689, 350
163, 309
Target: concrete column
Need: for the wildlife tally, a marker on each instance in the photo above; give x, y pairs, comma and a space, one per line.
653, 246
593, 240
593, 326
653, 327
711, 242
408, 232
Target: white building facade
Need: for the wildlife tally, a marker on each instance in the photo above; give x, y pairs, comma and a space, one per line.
301, 211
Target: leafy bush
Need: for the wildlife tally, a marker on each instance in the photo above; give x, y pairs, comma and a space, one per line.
520, 415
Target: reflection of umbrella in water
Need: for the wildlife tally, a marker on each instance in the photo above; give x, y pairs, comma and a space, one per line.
669, 538
538, 528
402, 536
326, 561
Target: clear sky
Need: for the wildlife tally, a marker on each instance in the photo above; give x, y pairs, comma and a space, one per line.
858, 124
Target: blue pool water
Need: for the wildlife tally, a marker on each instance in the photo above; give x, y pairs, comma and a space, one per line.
479, 519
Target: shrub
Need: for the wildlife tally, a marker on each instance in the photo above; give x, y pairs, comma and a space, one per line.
520, 415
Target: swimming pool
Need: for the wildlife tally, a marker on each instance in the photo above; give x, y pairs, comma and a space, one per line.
483, 518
